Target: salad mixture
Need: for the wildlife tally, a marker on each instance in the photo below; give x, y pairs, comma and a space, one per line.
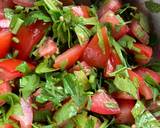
69, 65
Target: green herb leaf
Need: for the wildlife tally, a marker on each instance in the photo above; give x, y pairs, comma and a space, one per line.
33, 16
43, 67
24, 68
126, 85
127, 42
66, 112
143, 118
74, 89
8, 13
153, 6
82, 33
10, 98
15, 24
118, 49
29, 84
50, 91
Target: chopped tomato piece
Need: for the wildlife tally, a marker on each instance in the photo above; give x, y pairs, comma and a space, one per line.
67, 2
7, 126
93, 54
118, 30
144, 55
4, 88
26, 118
142, 71
28, 37
85, 67
26, 3
8, 69
48, 48
102, 103
107, 5
144, 90
139, 33
69, 57
81, 11
5, 42
112, 62
122, 95
6, 4
125, 115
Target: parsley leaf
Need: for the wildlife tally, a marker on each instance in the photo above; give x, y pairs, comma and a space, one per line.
75, 89
143, 118
51, 92
29, 84
126, 85
24, 68
66, 112
33, 16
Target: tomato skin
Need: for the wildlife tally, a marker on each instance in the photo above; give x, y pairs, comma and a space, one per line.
6, 4
125, 115
145, 54
26, 3
70, 56
99, 103
142, 71
110, 17
139, 33
112, 5
67, 2
4, 88
5, 42
8, 69
81, 11
112, 62
48, 48
122, 95
93, 54
28, 37
144, 90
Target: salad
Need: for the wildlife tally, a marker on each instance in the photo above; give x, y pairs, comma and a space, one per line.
69, 65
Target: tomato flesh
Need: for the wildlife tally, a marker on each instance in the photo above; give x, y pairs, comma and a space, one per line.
145, 54
69, 57
112, 62
4, 88
5, 42
48, 48
101, 104
144, 90
8, 69
81, 11
139, 33
93, 54
118, 30
28, 37
125, 115
112, 5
